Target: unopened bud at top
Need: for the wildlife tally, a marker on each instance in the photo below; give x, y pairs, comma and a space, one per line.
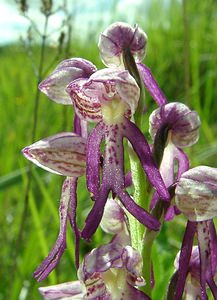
119, 37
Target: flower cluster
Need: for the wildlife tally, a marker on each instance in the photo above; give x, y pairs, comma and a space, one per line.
113, 99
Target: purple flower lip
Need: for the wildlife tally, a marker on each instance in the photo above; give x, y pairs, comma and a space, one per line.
113, 172
98, 99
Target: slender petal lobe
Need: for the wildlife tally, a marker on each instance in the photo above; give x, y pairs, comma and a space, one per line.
54, 256
151, 84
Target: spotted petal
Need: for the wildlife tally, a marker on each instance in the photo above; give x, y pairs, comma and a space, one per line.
102, 87
54, 86
63, 154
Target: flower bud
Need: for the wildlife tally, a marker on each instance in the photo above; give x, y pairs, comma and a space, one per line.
119, 37
113, 219
176, 118
196, 193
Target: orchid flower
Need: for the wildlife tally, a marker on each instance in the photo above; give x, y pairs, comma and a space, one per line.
124, 46
172, 127
109, 97
196, 197
110, 272
63, 154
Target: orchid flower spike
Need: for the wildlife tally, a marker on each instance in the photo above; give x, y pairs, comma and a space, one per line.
109, 97
124, 46
119, 37
54, 86
63, 154
172, 127
196, 197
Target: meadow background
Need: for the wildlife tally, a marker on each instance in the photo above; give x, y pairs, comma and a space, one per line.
182, 43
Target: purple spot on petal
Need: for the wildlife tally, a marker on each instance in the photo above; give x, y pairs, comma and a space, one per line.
111, 159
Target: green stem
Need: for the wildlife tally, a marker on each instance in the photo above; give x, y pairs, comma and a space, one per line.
149, 238
146, 254
139, 196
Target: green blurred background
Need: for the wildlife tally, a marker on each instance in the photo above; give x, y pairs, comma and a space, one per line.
181, 52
